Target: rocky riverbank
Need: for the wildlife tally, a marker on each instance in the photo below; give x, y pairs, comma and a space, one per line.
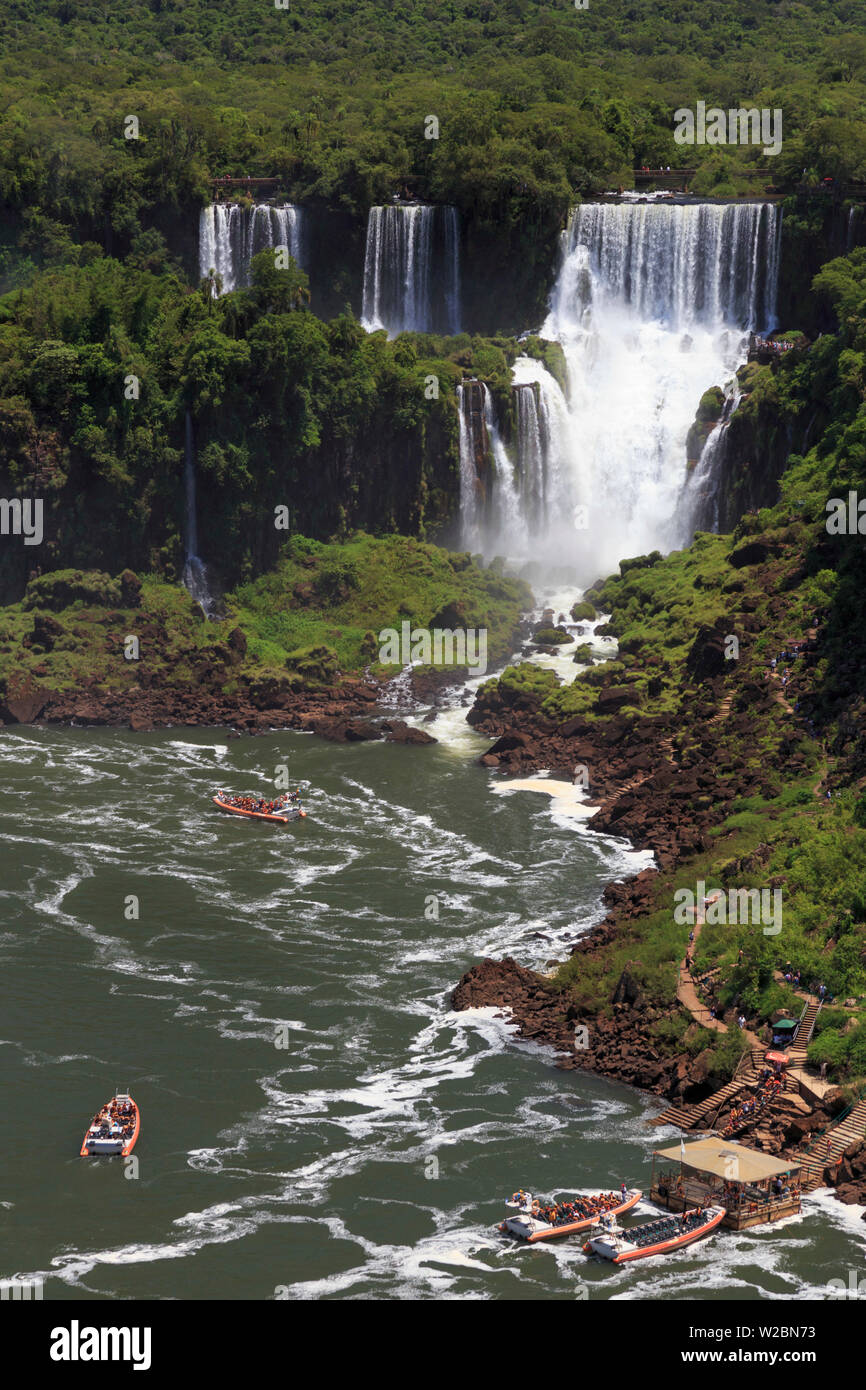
706, 742
342, 714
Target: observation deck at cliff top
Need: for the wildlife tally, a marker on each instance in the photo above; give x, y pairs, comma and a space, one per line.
678, 180
247, 183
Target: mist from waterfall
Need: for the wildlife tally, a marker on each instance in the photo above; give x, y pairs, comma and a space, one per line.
412, 270
652, 305
230, 235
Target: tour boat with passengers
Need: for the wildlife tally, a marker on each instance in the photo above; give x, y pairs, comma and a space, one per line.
281, 810
661, 1236
538, 1219
114, 1129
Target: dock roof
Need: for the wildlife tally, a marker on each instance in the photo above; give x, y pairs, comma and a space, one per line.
726, 1159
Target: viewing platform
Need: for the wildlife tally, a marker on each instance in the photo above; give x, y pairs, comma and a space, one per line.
765, 350
245, 185
753, 1188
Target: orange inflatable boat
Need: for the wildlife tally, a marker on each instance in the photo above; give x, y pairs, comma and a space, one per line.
531, 1225
660, 1237
114, 1130
282, 815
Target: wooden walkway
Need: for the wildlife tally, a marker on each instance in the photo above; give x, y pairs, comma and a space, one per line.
830, 1146
690, 1116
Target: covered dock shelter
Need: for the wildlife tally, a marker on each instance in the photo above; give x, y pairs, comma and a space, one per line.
752, 1187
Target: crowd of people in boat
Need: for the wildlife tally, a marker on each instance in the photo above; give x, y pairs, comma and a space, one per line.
114, 1121
258, 803
580, 1208
768, 1088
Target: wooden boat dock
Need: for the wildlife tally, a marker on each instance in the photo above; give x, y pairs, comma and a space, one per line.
720, 1172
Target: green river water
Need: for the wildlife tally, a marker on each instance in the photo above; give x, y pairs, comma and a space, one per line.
369, 1157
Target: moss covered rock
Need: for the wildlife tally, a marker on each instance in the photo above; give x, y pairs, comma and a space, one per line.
63, 587
317, 664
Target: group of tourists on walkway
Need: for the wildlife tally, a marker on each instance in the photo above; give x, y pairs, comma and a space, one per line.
769, 1087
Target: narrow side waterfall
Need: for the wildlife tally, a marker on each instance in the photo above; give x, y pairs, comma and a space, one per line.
501, 488
702, 490
195, 574
230, 235
474, 462
412, 270
653, 304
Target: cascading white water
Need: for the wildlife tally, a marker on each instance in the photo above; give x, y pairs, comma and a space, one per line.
652, 305
486, 470
195, 575
509, 495
230, 235
412, 270
532, 448
472, 446
701, 497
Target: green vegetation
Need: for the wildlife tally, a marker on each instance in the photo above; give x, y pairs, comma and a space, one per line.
786, 832
322, 419
535, 101
315, 617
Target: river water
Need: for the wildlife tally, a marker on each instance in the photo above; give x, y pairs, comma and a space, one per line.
368, 1154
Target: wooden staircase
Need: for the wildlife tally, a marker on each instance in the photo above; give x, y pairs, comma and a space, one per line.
689, 1116
830, 1145
803, 1036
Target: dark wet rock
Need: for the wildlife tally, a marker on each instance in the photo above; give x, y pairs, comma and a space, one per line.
706, 658
398, 731
752, 553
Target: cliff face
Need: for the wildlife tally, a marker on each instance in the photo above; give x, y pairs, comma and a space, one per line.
756, 446
751, 453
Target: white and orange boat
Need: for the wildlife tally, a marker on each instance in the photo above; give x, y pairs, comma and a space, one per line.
282, 811
532, 1221
660, 1237
114, 1129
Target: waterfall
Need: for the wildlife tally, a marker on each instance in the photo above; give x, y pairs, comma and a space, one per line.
230, 235
412, 270
489, 497
702, 489
195, 572
653, 303
852, 228
473, 453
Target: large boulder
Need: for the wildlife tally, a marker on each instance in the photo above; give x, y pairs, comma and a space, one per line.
23, 707
62, 587
706, 658
347, 730
130, 589
613, 697
46, 630
752, 553
398, 731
